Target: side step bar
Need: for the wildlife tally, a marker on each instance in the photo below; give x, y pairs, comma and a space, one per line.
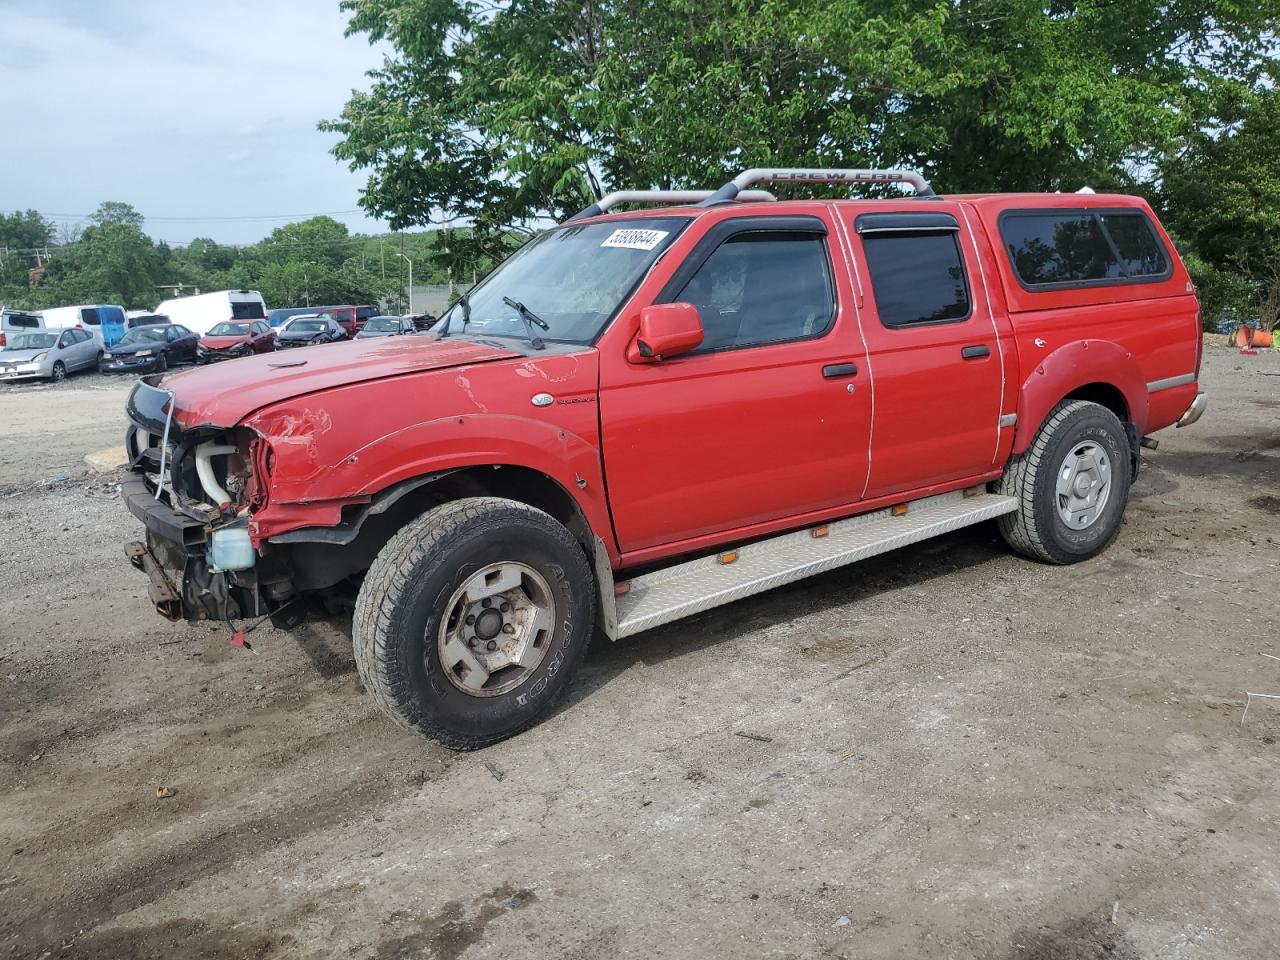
688, 588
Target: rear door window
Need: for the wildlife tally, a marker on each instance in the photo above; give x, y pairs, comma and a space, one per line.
917, 278
89, 315
247, 310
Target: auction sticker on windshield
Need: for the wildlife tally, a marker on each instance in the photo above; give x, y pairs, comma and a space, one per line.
635, 239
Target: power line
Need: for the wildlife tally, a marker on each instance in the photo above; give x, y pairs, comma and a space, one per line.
215, 219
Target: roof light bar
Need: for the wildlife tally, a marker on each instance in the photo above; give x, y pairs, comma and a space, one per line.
747, 178
611, 200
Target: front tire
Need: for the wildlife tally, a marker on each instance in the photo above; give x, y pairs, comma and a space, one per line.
473, 620
59, 371
1072, 485
162, 363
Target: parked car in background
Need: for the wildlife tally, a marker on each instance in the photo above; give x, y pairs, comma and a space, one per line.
105, 321
346, 315
229, 340
366, 312
277, 318
146, 320
48, 354
202, 312
386, 327
18, 321
151, 349
422, 321
309, 329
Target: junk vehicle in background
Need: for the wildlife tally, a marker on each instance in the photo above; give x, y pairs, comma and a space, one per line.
48, 354
202, 312
239, 338
150, 349
642, 415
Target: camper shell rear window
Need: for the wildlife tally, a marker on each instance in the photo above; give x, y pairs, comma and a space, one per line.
1057, 249
247, 310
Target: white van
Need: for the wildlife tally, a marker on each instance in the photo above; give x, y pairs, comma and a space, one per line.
104, 320
204, 311
18, 321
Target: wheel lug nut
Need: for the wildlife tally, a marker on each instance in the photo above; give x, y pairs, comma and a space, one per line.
471, 619
491, 646
505, 608
473, 641
508, 628
485, 603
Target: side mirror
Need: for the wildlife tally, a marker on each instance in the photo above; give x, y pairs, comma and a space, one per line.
666, 330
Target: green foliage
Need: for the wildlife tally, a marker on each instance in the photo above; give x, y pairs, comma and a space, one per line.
510, 115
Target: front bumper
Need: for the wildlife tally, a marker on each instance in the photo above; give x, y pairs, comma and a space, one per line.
205, 355
173, 555
1195, 411
24, 371
127, 364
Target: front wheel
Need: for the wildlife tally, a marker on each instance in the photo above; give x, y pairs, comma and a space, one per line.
162, 363
473, 620
59, 371
1071, 485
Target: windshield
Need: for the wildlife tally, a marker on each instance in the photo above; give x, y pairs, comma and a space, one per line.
229, 330
306, 326
144, 335
383, 324
31, 341
573, 277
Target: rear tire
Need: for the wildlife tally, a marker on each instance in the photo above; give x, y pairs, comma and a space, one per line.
1072, 485
463, 579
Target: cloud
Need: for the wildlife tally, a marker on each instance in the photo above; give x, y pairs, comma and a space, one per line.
201, 109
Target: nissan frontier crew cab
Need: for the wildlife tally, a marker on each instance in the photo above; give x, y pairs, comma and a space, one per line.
641, 415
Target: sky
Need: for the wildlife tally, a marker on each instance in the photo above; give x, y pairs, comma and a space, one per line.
194, 111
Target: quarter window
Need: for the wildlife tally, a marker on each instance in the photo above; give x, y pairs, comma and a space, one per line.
762, 287
1140, 252
1081, 247
917, 277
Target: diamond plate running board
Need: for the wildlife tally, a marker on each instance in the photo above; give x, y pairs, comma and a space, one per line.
688, 588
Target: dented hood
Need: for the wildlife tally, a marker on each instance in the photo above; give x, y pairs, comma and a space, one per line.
224, 394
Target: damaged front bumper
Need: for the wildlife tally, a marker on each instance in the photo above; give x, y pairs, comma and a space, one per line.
197, 556
175, 557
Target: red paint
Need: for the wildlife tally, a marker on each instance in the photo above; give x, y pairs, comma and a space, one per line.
669, 456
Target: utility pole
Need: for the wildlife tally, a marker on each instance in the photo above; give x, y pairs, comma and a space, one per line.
410, 262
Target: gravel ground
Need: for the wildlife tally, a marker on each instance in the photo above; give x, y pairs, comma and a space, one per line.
947, 752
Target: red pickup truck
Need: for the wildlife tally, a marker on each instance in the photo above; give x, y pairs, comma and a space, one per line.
644, 414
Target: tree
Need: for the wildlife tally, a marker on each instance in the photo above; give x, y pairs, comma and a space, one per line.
113, 211
507, 116
25, 230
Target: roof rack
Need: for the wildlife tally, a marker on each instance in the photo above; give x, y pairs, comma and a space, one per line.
662, 196
735, 187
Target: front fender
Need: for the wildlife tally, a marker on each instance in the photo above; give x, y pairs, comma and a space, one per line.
1069, 368
309, 491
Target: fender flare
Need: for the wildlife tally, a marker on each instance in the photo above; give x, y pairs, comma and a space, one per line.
1071, 367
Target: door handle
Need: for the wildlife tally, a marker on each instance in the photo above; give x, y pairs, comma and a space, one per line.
975, 352
835, 370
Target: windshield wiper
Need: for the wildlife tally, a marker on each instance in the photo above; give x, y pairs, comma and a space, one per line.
529, 318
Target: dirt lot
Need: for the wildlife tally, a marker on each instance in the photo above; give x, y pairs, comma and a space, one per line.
949, 752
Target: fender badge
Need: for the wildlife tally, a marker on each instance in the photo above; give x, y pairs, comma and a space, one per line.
1039, 342
542, 400
287, 363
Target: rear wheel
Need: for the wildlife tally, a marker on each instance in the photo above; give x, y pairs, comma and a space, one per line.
1071, 485
59, 371
473, 619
